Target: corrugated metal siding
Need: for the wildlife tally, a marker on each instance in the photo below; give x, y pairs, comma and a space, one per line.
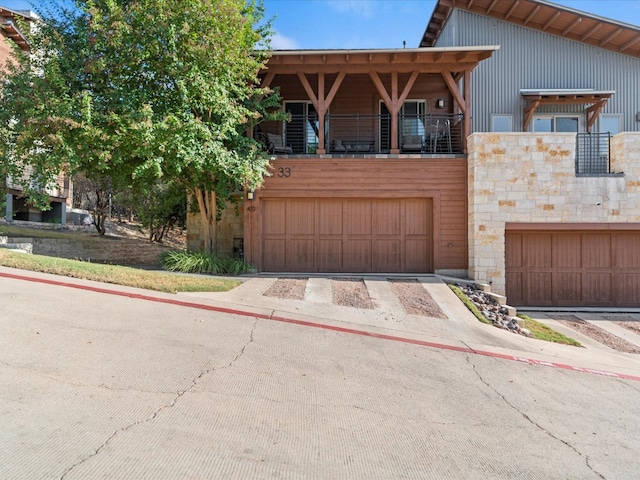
532, 59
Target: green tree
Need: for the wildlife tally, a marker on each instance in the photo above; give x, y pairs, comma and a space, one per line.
139, 90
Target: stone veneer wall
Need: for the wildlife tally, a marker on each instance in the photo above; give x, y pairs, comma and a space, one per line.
530, 178
230, 226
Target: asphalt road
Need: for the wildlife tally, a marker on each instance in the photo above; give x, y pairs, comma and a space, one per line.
100, 386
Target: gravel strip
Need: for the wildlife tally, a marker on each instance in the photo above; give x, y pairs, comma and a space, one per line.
415, 299
625, 321
351, 293
596, 333
287, 288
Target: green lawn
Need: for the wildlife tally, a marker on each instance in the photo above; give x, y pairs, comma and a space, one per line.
131, 277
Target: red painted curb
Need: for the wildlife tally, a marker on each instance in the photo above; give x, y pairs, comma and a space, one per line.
352, 331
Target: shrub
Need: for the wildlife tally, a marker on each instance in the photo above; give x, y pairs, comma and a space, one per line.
195, 262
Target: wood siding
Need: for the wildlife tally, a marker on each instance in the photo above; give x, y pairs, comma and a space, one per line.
573, 268
372, 200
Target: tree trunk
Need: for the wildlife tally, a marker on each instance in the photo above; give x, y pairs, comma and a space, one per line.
207, 203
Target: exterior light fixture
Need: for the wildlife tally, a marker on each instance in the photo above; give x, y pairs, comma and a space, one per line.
251, 194
440, 103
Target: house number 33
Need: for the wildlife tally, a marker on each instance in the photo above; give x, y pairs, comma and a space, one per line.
284, 172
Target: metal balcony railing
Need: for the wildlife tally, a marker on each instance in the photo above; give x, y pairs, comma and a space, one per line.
364, 133
593, 153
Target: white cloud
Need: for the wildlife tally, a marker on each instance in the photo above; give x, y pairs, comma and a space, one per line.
280, 42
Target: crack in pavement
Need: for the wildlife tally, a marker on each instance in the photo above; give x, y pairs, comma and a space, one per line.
179, 395
82, 385
537, 425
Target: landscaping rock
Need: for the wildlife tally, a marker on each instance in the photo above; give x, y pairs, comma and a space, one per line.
497, 314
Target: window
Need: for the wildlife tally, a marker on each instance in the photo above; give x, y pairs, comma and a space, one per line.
555, 123
301, 133
411, 121
610, 124
501, 123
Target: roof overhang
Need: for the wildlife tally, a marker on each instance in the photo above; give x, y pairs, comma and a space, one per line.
543, 16
422, 60
8, 24
536, 97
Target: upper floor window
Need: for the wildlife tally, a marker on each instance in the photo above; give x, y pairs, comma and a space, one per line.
556, 123
610, 124
501, 123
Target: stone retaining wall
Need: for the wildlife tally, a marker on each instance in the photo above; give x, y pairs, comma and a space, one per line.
115, 251
531, 178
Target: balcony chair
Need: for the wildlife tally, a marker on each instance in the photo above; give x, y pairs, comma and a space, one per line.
276, 145
412, 143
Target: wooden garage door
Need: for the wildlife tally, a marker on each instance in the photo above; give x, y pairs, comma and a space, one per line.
573, 268
347, 235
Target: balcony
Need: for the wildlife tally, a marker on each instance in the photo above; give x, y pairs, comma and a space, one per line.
363, 134
593, 153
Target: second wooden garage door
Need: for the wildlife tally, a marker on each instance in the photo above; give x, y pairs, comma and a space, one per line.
347, 235
573, 268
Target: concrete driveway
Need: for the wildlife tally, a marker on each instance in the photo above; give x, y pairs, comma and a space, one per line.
98, 381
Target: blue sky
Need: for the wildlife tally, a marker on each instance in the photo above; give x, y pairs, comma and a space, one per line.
332, 24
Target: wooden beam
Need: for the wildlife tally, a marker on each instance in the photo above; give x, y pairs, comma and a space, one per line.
408, 87
630, 43
467, 109
532, 14
266, 81
528, 112
572, 25
375, 78
610, 37
511, 10
321, 110
334, 88
307, 88
394, 149
591, 31
455, 91
592, 113
493, 4
551, 20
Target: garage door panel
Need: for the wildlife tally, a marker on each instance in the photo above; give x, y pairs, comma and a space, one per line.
330, 255
567, 251
357, 256
418, 217
274, 254
388, 256
596, 250
627, 251
513, 250
275, 211
301, 217
567, 288
418, 258
330, 218
388, 217
536, 250
358, 217
626, 289
300, 255
515, 288
597, 288
538, 288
